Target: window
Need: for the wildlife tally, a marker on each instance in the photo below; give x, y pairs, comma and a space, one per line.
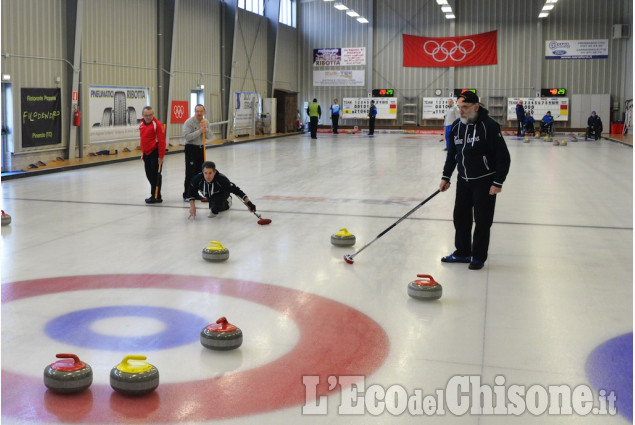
255, 6
196, 97
287, 12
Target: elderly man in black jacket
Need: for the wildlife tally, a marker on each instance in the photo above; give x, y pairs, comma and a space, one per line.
479, 153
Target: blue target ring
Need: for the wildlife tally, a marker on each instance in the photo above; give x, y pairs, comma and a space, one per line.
610, 368
181, 328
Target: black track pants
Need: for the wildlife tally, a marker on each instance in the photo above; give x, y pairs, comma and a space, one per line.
473, 204
193, 165
151, 163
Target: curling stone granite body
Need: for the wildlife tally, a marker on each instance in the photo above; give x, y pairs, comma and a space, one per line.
134, 376
425, 288
6, 218
69, 375
343, 238
215, 252
221, 335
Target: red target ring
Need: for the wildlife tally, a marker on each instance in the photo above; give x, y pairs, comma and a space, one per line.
358, 347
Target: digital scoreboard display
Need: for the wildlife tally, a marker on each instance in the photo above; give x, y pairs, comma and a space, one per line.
383, 92
553, 92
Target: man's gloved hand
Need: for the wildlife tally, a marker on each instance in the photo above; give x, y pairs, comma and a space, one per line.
251, 206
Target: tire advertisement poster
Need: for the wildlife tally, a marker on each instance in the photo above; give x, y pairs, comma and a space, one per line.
115, 112
41, 117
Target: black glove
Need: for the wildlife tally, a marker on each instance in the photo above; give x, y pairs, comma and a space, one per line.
251, 206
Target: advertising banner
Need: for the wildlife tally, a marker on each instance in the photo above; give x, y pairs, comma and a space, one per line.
41, 117
339, 56
247, 109
115, 112
576, 49
538, 107
470, 50
357, 107
179, 113
352, 78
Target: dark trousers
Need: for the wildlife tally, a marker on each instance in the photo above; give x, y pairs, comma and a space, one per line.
313, 127
193, 165
335, 120
520, 128
473, 204
218, 202
151, 163
371, 126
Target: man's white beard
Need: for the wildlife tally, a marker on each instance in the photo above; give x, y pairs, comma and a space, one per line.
469, 119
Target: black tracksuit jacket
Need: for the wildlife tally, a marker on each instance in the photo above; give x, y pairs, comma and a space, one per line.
477, 151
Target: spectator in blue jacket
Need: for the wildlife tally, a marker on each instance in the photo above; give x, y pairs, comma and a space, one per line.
372, 113
547, 123
335, 115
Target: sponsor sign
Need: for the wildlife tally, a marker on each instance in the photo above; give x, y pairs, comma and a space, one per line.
577, 49
41, 117
341, 78
115, 112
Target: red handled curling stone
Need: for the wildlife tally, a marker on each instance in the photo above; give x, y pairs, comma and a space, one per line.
425, 288
215, 252
69, 375
6, 218
343, 238
221, 335
134, 376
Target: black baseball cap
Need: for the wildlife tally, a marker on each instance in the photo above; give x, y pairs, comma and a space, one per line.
468, 97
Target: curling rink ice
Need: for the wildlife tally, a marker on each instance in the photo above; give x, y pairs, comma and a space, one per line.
88, 268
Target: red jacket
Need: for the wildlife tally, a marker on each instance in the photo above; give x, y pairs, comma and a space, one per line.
152, 136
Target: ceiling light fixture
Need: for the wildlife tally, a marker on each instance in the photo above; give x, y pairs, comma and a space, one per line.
449, 16
543, 15
362, 20
352, 14
446, 9
340, 6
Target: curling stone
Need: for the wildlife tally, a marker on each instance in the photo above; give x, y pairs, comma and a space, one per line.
563, 143
215, 252
134, 376
425, 288
526, 140
343, 238
6, 218
69, 375
221, 335
556, 143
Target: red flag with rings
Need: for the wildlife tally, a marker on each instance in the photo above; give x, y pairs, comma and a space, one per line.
470, 50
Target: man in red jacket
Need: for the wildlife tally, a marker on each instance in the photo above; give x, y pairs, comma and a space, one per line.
153, 148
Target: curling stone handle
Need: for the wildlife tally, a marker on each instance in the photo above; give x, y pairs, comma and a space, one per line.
133, 357
427, 276
68, 356
216, 244
223, 322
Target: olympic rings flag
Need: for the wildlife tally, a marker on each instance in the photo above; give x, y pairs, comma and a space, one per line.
471, 50
179, 112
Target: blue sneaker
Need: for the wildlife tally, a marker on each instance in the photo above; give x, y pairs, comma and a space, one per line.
455, 259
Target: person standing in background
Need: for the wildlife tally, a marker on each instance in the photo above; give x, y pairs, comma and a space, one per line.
153, 146
193, 130
315, 113
372, 113
335, 115
451, 115
520, 116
